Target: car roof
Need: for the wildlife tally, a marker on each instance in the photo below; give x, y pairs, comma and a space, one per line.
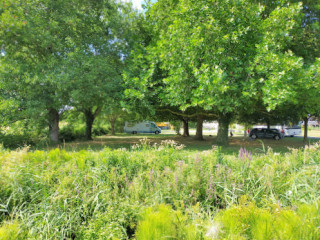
265, 129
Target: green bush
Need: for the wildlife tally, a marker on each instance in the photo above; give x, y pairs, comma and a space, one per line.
99, 131
162, 222
69, 133
11, 231
246, 221
16, 141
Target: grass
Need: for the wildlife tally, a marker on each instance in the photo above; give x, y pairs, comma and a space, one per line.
236, 142
130, 187
134, 193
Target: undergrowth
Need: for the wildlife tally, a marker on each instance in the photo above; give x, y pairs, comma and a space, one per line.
159, 191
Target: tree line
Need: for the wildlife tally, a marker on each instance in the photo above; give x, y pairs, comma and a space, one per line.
238, 60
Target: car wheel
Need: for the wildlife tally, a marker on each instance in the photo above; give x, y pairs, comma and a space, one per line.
253, 136
292, 135
276, 137
134, 132
156, 132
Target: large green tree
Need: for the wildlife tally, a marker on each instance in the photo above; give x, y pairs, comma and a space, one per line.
300, 92
211, 52
62, 53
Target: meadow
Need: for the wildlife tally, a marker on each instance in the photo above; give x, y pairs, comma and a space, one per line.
160, 190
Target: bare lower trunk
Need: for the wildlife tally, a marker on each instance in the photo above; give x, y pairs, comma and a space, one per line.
185, 128
54, 125
199, 135
222, 137
245, 133
113, 123
305, 136
89, 122
268, 124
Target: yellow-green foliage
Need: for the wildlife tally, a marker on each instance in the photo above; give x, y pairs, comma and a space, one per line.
247, 221
102, 194
162, 222
10, 231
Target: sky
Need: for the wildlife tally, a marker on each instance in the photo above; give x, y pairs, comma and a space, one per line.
137, 3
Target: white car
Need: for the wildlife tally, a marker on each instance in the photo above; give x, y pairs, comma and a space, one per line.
291, 131
141, 127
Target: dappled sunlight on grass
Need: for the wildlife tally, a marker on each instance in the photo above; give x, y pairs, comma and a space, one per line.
235, 143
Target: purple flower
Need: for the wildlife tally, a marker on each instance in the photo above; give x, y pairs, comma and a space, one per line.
244, 154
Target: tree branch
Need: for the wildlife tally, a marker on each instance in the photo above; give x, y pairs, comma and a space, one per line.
188, 115
97, 111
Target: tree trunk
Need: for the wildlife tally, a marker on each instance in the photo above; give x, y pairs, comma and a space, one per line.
54, 125
245, 133
268, 124
305, 137
199, 135
113, 123
222, 137
185, 127
89, 122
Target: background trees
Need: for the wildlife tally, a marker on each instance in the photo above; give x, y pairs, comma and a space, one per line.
58, 54
220, 56
194, 60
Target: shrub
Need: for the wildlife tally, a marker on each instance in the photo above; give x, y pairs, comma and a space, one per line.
11, 231
162, 222
16, 141
69, 133
246, 221
99, 131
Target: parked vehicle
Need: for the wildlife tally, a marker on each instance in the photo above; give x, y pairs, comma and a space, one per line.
265, 133
141, 127
289, 131
292, 131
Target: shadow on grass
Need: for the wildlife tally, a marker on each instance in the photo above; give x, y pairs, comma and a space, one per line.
235, 143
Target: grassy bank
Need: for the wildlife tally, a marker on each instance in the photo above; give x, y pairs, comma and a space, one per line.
155, 191
235, 143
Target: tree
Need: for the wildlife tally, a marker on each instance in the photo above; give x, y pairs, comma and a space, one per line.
95, 80
300, 90
211, 52
56, 53
33, 39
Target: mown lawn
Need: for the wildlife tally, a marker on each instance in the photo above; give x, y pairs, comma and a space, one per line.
236, 142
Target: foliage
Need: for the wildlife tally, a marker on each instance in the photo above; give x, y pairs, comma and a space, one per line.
57, 54
161, 222
220, 56
176, 126
17, 141
11, 230
246, 221
107, 194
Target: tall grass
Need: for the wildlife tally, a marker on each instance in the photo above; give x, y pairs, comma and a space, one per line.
117, 194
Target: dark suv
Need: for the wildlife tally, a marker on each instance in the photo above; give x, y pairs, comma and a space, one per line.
265, 133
